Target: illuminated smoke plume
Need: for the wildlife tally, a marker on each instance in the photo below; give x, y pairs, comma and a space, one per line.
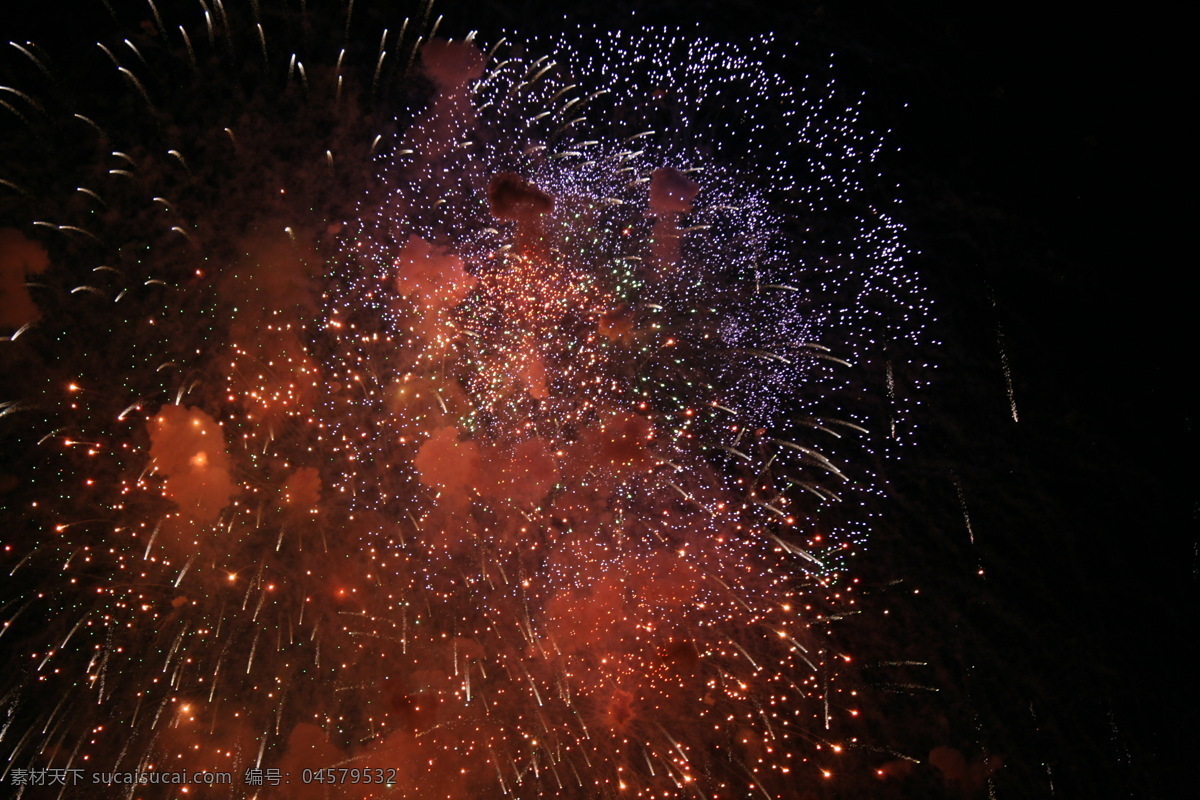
187, 447
19, 258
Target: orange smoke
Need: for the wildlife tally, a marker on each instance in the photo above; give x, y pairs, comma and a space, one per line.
449, 465
187, 447
18, 257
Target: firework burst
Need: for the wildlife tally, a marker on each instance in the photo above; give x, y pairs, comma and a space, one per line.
476, 422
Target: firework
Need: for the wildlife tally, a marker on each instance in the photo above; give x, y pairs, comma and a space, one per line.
481, 422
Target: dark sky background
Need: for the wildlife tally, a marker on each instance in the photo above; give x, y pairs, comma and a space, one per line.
1036, 169
1039, 171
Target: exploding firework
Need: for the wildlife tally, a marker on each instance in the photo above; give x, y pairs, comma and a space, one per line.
439, 420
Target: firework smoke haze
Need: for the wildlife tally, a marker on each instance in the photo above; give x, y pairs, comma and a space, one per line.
19, 257
438, 414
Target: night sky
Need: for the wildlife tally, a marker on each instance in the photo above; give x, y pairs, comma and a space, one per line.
1034, 152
